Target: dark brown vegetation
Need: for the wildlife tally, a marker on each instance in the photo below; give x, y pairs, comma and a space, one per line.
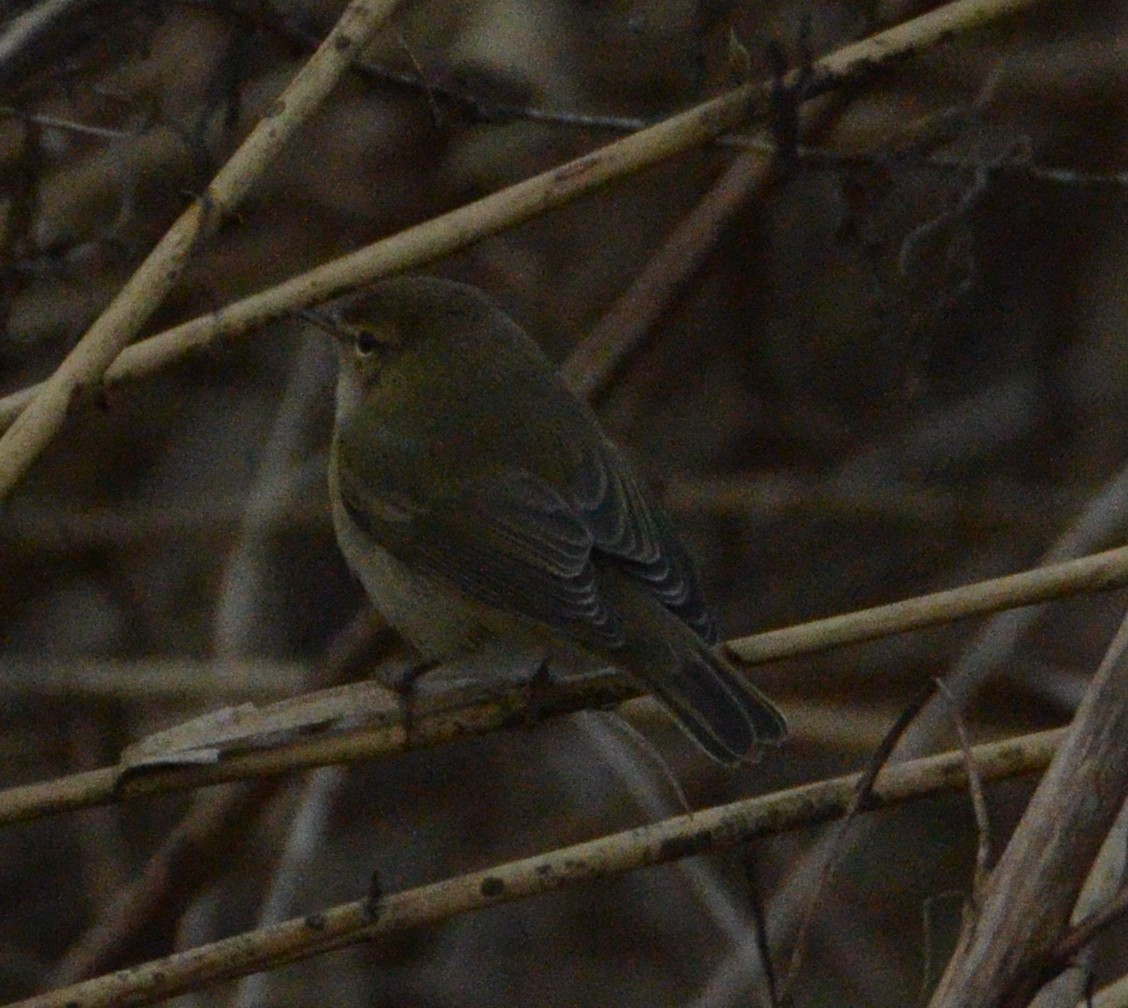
890, 362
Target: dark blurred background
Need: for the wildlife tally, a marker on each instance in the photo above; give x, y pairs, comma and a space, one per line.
899, 368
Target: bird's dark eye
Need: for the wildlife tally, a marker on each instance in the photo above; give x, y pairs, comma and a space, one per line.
366, 342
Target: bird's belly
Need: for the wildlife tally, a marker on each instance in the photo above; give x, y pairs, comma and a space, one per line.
440, 621
437, 620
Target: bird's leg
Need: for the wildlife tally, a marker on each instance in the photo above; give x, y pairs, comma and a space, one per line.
785, 98
405, 687
538, 688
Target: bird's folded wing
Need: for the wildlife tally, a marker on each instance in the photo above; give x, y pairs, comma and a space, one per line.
629, 527
512, 542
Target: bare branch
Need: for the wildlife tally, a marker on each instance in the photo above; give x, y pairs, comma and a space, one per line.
451, 231
1026, 904
1098, 572
85, 365
472, 712
436, 719
656, 843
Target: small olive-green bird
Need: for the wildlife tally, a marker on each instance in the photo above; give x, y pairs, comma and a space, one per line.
476, 497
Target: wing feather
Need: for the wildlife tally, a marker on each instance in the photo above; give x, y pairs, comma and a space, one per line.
630, 529
512, 543
516, 542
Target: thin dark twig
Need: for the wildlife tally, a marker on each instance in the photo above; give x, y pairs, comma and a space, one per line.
822, 156
1077, 937
760, 930
150, 908
983, 853
55, 122
927, 943
424, 84
833, 852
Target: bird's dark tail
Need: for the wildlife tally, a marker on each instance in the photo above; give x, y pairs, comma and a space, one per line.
716, 706
713, 703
